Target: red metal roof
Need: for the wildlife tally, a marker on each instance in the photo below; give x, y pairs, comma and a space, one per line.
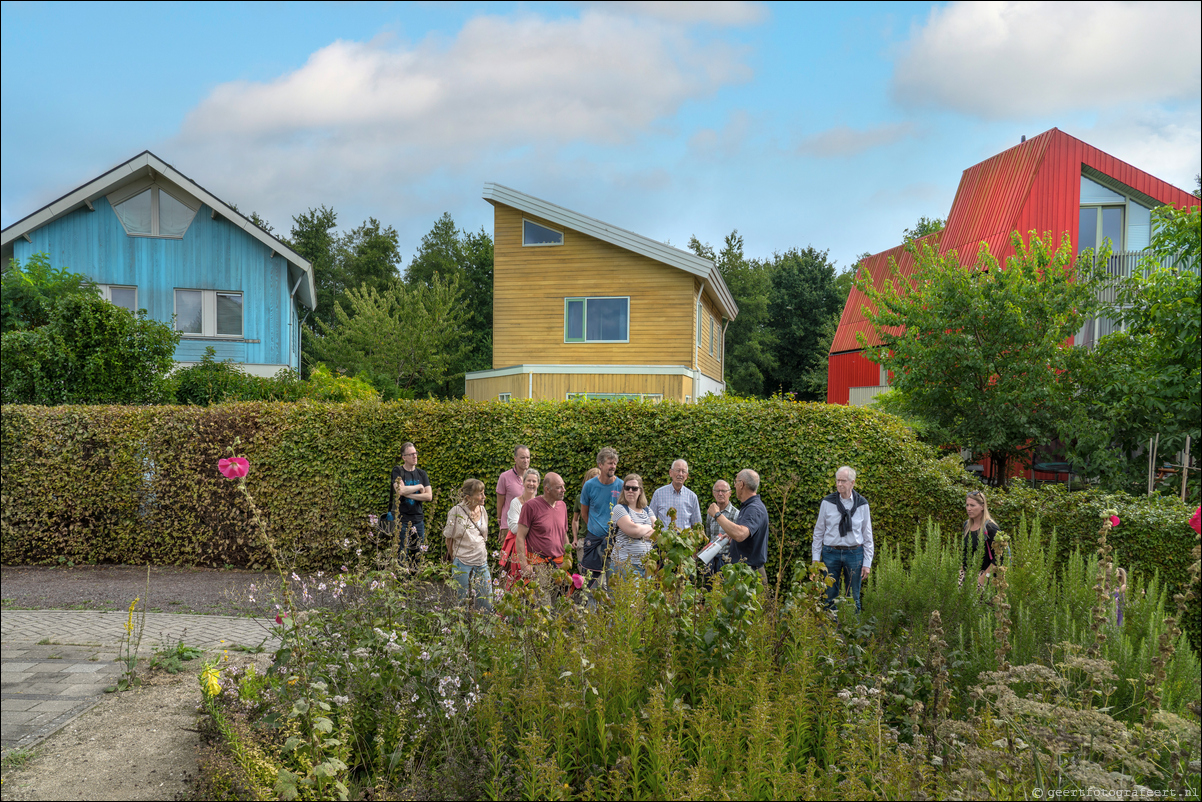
1035, 185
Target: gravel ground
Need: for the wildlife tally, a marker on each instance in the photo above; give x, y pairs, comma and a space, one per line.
203, 591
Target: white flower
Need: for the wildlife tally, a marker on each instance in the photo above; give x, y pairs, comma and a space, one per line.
340, 700
361, 653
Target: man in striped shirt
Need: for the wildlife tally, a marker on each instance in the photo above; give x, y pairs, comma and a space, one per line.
678, 497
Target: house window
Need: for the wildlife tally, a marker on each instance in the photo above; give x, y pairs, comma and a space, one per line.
1107, 214
124, 297
615, 396
713, 327
504, 396
535, 235
154, 212
699, 324
596, 320
208, 313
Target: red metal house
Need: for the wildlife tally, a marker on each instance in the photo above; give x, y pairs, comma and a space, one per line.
1052, 182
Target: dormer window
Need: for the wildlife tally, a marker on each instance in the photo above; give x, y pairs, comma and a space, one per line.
154, 212
535, 235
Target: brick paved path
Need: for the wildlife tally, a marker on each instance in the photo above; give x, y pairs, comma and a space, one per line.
55, 664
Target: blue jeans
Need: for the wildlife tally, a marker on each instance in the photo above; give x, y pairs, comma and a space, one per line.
474, 577
417, 538
840, 562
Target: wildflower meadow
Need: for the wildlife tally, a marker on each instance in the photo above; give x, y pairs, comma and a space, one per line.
663, 687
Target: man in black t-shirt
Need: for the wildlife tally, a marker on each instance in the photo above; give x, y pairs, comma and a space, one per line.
410, 487
750, 534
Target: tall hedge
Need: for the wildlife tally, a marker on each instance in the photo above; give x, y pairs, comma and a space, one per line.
140, 484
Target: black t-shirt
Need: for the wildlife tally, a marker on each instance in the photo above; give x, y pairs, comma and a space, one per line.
972, 543
407, 508
754, 549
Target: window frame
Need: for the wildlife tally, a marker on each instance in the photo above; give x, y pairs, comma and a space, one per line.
120, 196
584, 340
208, 313
504, 396
653, 397
713, 326
562, 235
106, 292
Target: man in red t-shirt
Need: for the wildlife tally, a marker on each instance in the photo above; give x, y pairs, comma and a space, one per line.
542, 534
509, 486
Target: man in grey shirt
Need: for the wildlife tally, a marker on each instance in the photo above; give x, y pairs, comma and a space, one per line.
721, 492
843, 536
678, 497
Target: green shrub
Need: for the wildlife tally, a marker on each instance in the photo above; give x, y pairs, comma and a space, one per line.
136, 485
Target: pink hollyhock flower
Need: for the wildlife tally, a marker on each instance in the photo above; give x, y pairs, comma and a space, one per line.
1114, 520
578, 581
234, 467
1196, 521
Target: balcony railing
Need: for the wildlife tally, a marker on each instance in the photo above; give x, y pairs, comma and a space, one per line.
1120, 266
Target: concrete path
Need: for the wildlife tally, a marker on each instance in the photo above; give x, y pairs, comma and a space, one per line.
55, 664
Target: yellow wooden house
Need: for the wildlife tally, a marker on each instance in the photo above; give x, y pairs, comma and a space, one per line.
582, 308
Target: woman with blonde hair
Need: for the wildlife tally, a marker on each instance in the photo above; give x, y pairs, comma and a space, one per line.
979, 522
636, 526
466, 534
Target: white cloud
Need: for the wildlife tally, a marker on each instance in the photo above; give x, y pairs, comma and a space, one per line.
374, 121
724, 142
1166, 144
714, 13
1000, 60
844, 141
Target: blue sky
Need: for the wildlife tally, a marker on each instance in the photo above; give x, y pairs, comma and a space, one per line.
832, 125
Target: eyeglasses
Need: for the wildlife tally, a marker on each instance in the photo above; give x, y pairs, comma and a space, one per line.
976, 494
410, 454
635, 488
722, 490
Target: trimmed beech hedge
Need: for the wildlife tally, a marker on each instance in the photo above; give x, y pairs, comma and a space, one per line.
132, 485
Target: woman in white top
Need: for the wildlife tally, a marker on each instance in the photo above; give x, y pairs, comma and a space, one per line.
636, 526
530, 481
466, 534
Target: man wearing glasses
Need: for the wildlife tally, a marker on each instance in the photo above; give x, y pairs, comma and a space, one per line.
843, 536
750, 534
410, 488
721, 493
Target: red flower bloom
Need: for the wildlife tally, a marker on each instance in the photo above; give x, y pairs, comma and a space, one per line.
234, 467
1114, 520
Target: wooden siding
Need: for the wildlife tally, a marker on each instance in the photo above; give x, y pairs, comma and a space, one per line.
556, 386
212, 255
530, 284
488, 389
709, 365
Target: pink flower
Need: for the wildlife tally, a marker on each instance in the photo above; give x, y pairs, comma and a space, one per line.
578, 581
234, 467
279, 620
1114, 520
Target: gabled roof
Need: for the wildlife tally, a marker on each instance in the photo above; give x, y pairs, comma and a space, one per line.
146, 164
683, 260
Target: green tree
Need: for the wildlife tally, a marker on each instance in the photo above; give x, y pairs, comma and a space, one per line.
88, 352
402, 339
466, 257
28, 292
804, 303
750, 356
1144, 381
979, 351
924, 226
367, 255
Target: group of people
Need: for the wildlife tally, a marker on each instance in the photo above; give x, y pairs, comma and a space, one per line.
613, 526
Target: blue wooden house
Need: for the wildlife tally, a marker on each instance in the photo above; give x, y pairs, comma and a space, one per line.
152, 238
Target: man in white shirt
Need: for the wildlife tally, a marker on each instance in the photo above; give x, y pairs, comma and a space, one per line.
678, 497
843, 536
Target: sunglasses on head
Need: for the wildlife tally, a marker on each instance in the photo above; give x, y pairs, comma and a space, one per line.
975, 494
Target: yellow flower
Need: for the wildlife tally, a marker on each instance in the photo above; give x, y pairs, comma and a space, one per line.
129, 622
209, 681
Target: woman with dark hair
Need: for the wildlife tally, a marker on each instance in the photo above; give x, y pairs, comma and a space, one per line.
466, 534
636, 526
979, 532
